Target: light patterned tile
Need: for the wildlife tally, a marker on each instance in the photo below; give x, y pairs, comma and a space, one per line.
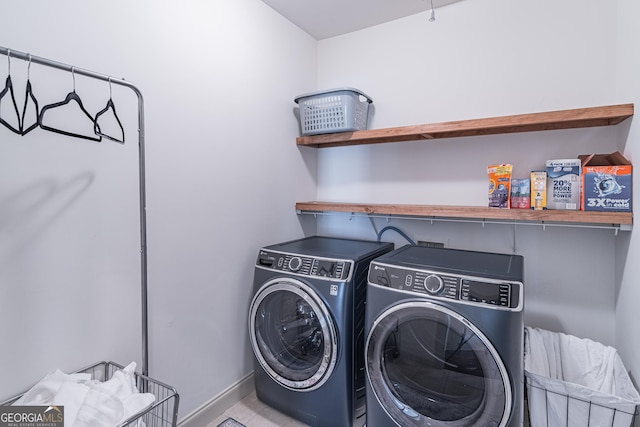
241, 412
216, 422
251, 412
229, 422
252, 401
260, 421
279, 418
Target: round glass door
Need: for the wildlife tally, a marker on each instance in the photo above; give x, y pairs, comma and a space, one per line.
429, 366
292, 334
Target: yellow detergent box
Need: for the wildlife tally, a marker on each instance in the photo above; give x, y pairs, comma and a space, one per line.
606, 182
538, 190
563, 184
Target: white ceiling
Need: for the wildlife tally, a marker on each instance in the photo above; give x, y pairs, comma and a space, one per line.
328, 18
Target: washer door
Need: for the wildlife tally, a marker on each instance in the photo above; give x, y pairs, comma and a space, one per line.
429, 366
292, 334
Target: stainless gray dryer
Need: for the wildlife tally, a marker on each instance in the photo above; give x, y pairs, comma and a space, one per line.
306, 325
445, 338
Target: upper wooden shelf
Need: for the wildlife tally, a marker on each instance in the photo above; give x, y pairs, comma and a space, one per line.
552, 120
476, 212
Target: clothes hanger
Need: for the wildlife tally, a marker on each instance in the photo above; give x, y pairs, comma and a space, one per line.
112, 107
71, 96
29, 96
8, 88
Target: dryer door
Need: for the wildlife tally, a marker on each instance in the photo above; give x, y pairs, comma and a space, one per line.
292, 334
429, 366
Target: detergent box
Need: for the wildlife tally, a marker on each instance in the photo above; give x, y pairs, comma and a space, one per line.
563, 184
520, 193
538, 182
606, 182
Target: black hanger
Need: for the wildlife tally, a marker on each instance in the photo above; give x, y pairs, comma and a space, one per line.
112, 107
29, 96
8, 88
71, 96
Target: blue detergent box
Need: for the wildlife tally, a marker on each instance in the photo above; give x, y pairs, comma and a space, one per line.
563, 184
606, 182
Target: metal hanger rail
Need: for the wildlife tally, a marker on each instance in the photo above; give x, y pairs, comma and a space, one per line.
13, 54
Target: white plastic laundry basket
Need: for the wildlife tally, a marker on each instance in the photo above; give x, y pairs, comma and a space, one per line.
336, 110
574, 382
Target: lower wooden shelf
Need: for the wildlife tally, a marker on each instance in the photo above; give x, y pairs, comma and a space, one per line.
475, 212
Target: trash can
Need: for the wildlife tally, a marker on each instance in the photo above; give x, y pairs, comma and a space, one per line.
576, 382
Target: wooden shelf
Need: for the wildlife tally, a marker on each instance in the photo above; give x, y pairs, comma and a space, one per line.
565, 119
553, 120
476, 212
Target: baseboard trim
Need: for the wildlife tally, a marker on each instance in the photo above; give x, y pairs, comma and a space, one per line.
205, 414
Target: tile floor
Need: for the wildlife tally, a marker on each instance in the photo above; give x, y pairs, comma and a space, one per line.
253, 413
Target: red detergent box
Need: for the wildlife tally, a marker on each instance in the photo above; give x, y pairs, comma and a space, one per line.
520, 193
606, 182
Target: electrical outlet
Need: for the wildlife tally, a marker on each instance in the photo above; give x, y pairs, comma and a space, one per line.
430, 244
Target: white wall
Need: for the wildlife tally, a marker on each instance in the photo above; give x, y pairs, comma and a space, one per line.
223, 174
627, 250
223, 171
483, 59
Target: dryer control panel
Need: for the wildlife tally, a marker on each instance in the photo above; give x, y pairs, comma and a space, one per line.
468, 289
304, 265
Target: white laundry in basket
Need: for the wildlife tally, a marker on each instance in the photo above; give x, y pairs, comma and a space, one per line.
90, 403
576, 382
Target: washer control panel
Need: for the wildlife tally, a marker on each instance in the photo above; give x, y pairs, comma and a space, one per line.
338, 269
488, 293
473, 290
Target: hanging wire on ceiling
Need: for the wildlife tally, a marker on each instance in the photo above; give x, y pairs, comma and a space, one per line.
432, 15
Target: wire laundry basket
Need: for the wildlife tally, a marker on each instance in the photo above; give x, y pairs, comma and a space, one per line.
163, 412
566, 389
560, 409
